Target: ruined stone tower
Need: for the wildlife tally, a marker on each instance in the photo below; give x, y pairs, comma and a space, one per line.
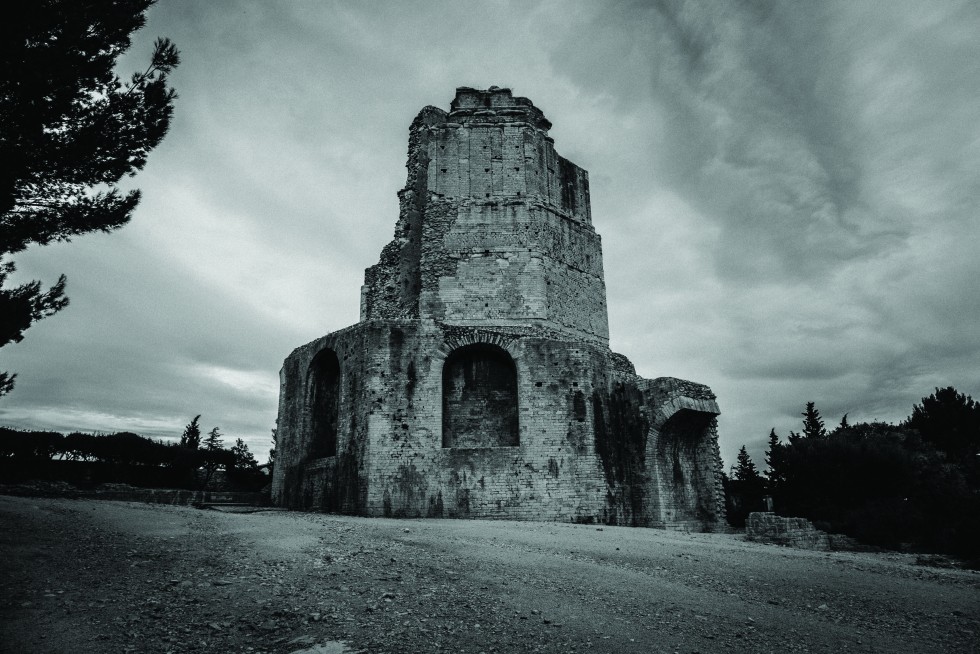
479, 381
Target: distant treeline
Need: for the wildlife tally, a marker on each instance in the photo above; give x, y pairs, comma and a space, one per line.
912, 485
125, 457
123, 447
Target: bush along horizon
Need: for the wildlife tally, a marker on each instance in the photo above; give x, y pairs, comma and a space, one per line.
911, 486
124, 457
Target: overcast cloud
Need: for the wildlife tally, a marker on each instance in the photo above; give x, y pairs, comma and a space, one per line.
786, 192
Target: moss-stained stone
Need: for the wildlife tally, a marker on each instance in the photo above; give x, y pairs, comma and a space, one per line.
479, 382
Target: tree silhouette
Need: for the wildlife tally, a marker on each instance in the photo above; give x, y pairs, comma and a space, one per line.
71, 130
949, 420
272, 450
812, 423
887, 485
744, 490
215, 456
745, 469
243, 459
191, 438
775, 472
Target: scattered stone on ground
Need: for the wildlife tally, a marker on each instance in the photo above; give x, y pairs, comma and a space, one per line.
87, 576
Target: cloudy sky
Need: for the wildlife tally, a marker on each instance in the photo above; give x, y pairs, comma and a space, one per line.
787, 195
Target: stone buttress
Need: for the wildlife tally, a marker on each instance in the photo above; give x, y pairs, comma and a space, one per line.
479, 382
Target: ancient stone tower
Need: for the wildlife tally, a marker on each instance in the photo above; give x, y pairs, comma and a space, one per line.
479, 381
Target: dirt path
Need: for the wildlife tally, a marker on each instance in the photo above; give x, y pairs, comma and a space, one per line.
86, 576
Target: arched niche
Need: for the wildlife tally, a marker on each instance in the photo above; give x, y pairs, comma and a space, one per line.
324, 401
479, 398
687, 450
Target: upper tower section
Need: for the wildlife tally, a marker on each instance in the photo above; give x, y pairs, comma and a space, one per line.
492, 146
495, 228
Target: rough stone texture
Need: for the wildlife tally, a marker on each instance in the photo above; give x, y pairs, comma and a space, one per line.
767, 527
479, 382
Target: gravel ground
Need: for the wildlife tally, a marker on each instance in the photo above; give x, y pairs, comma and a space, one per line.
89, 576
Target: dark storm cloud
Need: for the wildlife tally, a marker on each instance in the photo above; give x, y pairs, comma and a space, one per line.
809, 231
759, 137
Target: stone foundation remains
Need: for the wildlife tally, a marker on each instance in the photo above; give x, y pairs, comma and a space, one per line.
479, 382
766, 527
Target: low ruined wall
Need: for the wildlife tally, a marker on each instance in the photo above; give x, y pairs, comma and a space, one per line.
122, 493
765, 527
179, 497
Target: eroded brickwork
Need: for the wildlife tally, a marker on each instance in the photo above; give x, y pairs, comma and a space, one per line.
495, 226
767, 527
479, 382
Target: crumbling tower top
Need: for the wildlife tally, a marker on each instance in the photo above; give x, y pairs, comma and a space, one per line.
495, 227
494, 105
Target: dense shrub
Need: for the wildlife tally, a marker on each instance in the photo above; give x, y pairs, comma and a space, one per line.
123, 457
913, 485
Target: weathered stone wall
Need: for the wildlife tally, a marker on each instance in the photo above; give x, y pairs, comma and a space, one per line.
409, 472
587, 449
303, 476
479, 398
494, 225
479, 382
767, 527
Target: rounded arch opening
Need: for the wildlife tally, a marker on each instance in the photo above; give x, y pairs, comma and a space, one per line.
479, 398
324, 402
